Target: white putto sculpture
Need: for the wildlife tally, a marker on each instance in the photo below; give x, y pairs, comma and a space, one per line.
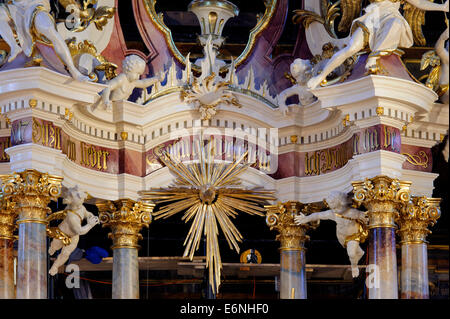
71, 227
122, 86
442, 52
446, 150
350, 225
30, 20
382, 28
301, 71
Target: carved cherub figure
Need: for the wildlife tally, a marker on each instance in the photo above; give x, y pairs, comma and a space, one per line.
350, 225
30, 20
382, 29
75, 214
445, 151
442, 52
301, 71
122, 86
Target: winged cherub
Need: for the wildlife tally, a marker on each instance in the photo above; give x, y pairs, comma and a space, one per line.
350, 225
382, 29
71, 227
30, 20
123, 85
442, 52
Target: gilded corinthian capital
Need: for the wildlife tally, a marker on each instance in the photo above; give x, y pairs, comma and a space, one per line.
416, 217
281, 218
383, 197
31, 191
7, 218
126, 218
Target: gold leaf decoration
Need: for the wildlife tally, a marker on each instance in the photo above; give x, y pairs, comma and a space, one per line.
210, 195
420, 159
351, 9
87, 13
416, 19
330, 13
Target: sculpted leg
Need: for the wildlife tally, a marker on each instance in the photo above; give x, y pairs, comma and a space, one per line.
64, 255
7, 34
44, 24
55, 245
356, 44
355, 253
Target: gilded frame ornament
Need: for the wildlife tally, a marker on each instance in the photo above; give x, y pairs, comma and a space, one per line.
261, 24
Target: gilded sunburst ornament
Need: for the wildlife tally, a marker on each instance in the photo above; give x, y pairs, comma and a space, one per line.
210, 195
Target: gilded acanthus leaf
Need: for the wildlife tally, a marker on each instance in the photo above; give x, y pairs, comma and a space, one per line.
351, 9
430, 58
329, 13
86, 13
416, 19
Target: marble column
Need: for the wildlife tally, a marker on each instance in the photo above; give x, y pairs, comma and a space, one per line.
7, 227
32, 191
292, 274
382, 196
125, 273
126, 218
292, 239
413, 230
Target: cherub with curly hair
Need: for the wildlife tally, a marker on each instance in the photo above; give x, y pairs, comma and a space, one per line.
350, 225
122, 86
301, 71
71, 227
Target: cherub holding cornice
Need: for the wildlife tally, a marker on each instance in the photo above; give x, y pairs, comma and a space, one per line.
351, 224
70, 228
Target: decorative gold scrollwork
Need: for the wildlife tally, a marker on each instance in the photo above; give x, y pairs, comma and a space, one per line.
415, 218
420, 159
329, 14
261, 25
281, 218
87, 13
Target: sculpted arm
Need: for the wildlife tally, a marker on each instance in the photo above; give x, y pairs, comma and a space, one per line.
144, 83
429, 6
284, 95
83, 230
356, 214
440, 47
302, 219
92, 220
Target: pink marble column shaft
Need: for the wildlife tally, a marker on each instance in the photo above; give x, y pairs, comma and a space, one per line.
293, 274
32, 261
382, 282
7, 290
414, 275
